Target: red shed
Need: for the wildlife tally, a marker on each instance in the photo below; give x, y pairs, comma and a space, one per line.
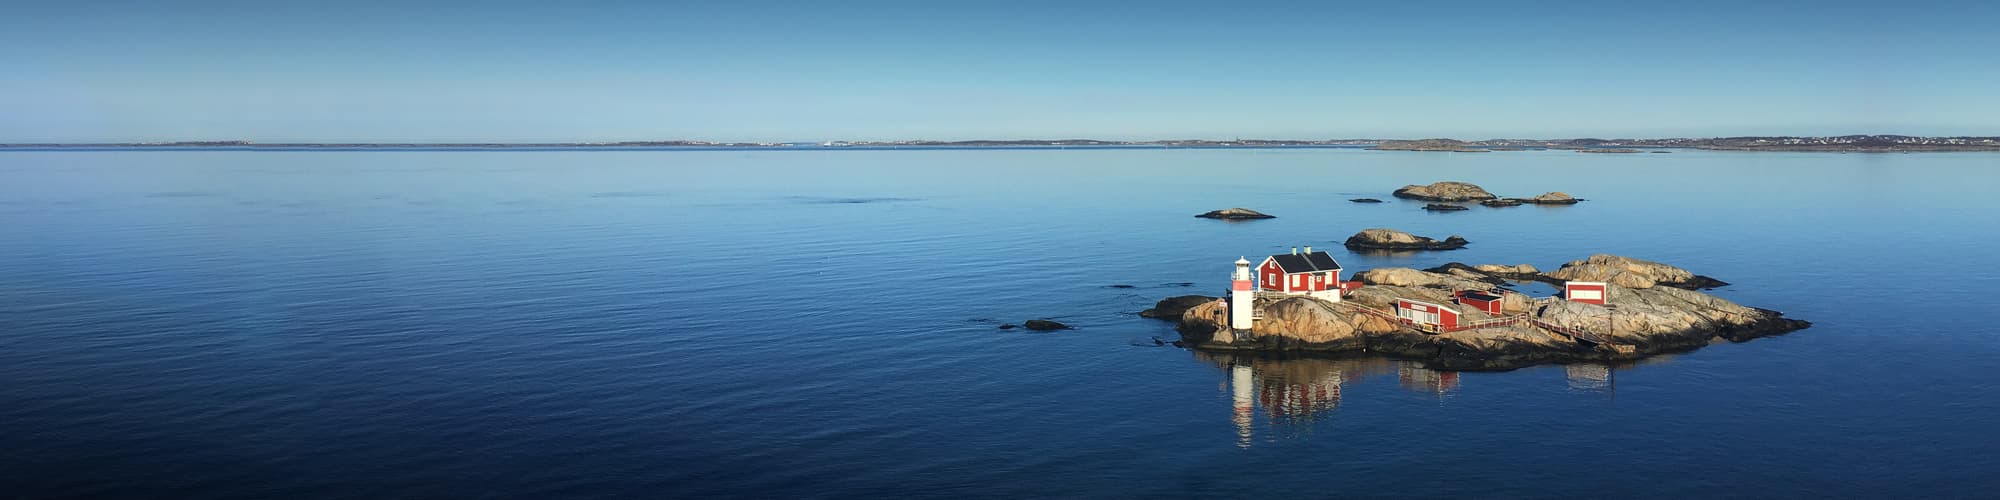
1481, 300
1588, 292
1299, 272
1426, 314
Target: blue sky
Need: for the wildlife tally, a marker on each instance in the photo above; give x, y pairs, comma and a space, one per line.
538, 71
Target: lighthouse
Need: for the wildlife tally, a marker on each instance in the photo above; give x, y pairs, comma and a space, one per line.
1242, 297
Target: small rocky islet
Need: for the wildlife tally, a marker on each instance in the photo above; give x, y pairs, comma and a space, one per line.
1238, 213
1444, 193
1389, 239
1649, 308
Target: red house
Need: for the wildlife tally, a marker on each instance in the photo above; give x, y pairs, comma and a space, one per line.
1481, 300
1588, 292
1301, 273
1426, 315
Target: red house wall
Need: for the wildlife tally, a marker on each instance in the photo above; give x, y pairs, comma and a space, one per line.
1265, 275
1270, 269
1446, 317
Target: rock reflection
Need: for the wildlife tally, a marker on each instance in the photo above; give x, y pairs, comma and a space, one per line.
1589, 377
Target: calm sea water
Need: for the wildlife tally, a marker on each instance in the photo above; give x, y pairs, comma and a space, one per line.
822, 324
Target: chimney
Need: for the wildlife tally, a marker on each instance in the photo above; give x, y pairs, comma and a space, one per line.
1309, 249
1295, 250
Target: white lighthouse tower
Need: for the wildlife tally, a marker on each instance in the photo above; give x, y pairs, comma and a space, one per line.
1242, 296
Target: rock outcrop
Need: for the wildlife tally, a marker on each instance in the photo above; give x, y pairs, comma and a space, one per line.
1506, 202
1172, 307
1236, 214
1504, 270
1445, 191
1645, 320
1442, 207
1390, 239
1043, 325
1551, 198
1632, 273
1365, 200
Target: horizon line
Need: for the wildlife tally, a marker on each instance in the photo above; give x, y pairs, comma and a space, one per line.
247, 142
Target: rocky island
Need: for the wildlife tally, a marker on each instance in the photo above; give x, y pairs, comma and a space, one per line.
1550, 198
1647, 308
1455, 191
1235, 214
1390, 239
1444, 191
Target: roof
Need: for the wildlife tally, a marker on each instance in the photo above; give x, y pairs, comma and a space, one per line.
1478, 295
1293, 263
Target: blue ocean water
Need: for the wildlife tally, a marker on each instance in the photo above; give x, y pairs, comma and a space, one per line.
744, 323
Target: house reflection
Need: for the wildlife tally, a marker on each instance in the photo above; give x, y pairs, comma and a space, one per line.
1294, 390
1417, 378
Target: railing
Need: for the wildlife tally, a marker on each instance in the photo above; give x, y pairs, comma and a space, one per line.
1516, 320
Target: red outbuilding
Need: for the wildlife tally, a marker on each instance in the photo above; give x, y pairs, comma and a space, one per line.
1588, 292
1426, 315
1481, 300
1300, 273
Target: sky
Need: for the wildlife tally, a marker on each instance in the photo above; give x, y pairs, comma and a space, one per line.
511, 71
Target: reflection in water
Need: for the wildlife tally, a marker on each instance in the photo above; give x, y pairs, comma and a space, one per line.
1301, 390
1588, 377
1417, 378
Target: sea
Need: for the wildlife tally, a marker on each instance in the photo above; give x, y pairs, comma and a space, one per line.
825, 323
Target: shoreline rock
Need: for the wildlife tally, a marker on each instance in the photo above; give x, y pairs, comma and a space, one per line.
1390, 239
1172, 307
1235, 214
1444, 191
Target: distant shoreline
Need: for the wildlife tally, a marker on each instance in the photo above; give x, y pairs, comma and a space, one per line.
1838, 144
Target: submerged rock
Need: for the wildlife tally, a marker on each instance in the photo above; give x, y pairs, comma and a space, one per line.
1507, 202
1440, 207
1365, 200
1235, 214
1445, 191
1043, 325
1632, 273
1171, 308
1390, 239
